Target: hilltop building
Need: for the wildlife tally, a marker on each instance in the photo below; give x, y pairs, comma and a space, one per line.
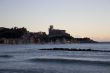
56, 32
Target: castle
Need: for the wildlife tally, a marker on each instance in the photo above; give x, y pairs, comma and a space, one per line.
56, 32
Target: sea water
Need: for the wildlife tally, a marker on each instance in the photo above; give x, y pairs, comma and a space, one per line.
29, 59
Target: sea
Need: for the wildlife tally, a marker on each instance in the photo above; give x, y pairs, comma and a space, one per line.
27, 58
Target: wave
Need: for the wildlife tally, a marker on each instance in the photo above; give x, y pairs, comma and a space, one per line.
23, 71
5, 56
70, 60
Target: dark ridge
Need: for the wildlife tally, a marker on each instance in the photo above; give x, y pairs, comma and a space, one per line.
74, 49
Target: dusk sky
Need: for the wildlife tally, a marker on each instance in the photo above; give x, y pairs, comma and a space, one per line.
81, 18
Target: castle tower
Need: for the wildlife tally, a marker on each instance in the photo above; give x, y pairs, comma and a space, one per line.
50, 29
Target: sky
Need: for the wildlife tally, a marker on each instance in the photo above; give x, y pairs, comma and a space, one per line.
80, 18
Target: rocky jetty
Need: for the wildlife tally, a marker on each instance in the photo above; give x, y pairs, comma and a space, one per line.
75, 49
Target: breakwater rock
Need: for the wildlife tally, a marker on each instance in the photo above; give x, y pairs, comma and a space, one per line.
75, 49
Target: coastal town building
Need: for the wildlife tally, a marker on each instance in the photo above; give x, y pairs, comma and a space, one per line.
56, 32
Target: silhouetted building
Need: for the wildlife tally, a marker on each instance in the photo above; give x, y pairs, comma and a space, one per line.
56, 32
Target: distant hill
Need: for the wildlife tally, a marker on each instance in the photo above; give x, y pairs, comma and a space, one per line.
22, 35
